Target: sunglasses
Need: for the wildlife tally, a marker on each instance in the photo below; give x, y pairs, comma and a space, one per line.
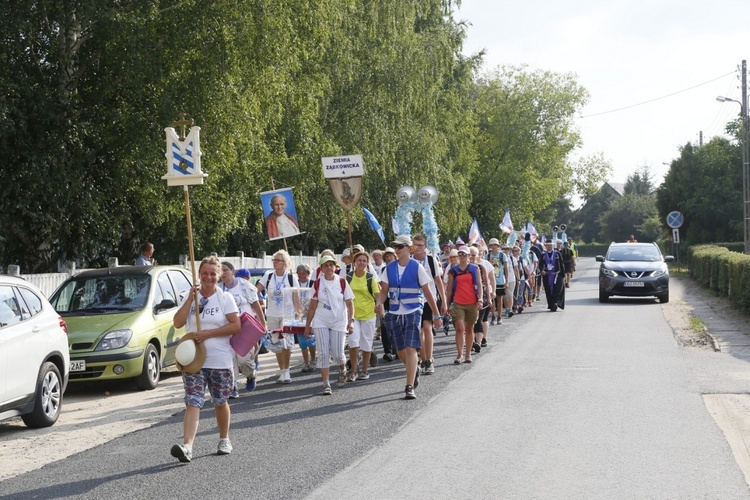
462, 253
399, 247
201, 304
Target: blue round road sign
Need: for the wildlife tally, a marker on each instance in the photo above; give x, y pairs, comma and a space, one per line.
675, 219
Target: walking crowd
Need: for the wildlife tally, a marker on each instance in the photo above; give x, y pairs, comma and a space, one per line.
400, 295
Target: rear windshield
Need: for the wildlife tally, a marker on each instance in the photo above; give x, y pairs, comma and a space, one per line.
646, 253
102, 294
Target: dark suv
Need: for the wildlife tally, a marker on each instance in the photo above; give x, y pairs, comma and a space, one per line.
634, 270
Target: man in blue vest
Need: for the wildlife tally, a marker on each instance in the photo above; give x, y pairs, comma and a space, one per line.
404, 283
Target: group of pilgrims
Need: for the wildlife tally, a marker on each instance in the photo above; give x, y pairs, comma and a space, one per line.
400, 295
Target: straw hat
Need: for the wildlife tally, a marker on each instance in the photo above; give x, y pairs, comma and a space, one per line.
189, 354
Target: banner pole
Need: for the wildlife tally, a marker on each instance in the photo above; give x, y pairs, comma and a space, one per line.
192, 254
349, 223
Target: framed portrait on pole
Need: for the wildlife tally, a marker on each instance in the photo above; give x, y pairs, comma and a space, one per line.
280, 213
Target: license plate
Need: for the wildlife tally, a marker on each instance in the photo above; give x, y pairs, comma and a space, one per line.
78, 366
634, 283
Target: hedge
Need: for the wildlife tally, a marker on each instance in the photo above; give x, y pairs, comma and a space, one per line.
725, 272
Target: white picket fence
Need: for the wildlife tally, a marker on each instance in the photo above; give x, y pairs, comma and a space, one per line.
49, 282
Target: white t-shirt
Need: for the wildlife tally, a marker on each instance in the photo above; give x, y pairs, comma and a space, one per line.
213, 311
331, 310
424, 261
490, 270
276, 307
245, 295
424, 279
512, 268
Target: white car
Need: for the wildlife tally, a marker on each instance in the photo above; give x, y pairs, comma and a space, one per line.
34, 356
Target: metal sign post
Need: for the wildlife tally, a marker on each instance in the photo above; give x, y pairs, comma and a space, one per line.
675, 221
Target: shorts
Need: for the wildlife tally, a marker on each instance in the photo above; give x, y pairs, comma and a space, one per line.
427, 313
274, 323
510, 290
363, 334
220, 382
305, 342
466, 313
499, 290
405, 329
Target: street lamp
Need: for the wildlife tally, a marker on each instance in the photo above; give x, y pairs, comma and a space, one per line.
745, 153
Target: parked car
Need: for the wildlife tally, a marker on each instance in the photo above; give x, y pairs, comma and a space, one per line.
120, 321
34, 358
634, 270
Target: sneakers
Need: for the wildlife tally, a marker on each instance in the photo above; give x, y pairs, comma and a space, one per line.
341, 381
327, 391
308, 367
492, 321
409, 393
476, 347
287, 377
182, 453
364, 376
250, 386
373, 360
280, 380
416, 378
235, 393
352, 377
428, 367
225, 447
484, 343
388, 357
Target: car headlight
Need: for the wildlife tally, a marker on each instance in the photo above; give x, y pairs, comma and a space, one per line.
658, 273
114, 340
608, 272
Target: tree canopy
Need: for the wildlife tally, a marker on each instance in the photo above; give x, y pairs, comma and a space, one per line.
89, 85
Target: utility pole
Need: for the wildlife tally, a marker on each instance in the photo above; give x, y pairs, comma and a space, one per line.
745, 157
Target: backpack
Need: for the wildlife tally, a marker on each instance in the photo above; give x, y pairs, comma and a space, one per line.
316, 285
350, 275
456, 271
288, 275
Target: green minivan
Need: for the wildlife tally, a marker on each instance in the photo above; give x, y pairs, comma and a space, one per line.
120, 321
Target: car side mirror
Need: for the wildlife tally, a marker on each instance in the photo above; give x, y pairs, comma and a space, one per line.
668, 258
600, 258
164, 305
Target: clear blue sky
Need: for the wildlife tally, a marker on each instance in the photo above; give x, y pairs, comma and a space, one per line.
627, 52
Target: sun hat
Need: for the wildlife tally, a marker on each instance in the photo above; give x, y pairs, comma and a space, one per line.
346, 253
494, 241
464, 249
389, 250
377, 252
326, 258
453, 253
358, 247
242, 273
189, 354
402, 240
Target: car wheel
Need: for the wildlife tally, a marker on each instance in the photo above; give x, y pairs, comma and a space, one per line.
664, 298
48, 398
149, 377
603, 297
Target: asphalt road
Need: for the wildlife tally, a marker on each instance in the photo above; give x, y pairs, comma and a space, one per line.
596, 401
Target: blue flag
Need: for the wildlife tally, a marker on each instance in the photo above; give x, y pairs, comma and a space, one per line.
374, 224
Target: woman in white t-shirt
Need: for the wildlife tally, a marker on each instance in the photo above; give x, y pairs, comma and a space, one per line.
219, 321
331, 318
274, 282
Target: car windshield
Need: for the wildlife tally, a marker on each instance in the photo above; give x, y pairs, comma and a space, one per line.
102, 294
634, 253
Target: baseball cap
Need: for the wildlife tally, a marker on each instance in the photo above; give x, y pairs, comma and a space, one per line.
464, 249
402, 240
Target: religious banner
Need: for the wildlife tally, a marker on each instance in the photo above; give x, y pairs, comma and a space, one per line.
280, 213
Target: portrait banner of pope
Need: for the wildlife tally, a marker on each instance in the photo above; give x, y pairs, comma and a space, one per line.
280, 213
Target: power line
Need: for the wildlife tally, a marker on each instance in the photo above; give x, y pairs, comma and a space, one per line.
659, 98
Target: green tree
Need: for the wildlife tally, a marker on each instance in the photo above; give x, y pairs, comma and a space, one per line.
705, 184
626, 216
525, 137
